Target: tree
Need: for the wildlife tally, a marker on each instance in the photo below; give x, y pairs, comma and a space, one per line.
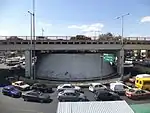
109, 34
80, 37
12, 38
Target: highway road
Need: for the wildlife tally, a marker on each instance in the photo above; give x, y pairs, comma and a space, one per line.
13, 105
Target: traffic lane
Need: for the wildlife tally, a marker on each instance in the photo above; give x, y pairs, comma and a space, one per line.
130, 101
14, 105
90, 96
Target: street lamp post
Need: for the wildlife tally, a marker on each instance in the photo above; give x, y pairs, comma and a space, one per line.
31, 15
122, 26
42, 31
122, 35
34, 38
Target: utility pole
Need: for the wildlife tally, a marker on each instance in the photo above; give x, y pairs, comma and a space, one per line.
31, 15
42, 31
122, 35
34, 38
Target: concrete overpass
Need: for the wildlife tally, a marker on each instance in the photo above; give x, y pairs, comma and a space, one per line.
57, 44
130, 43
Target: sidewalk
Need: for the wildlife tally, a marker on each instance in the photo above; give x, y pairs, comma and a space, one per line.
141, 108
81, 84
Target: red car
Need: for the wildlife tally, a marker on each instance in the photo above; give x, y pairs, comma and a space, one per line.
137, 94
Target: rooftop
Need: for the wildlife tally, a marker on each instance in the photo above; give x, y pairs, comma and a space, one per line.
94, 107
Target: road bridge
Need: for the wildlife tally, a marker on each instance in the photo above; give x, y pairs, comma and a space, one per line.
65, 43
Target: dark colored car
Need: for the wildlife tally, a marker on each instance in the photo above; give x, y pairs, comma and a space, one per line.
36, 96
42, 87
11, 91
104, 95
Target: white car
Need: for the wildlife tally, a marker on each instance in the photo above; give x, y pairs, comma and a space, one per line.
21, 85
67, 86
119, 87
96, 86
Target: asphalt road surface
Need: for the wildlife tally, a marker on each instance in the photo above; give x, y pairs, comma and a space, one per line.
13, 105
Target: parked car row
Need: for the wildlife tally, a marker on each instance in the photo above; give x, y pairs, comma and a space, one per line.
33, 95
37, 86
36, 92
68, 92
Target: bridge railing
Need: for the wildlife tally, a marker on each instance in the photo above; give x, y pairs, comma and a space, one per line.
37, 37
138, 38
66, 38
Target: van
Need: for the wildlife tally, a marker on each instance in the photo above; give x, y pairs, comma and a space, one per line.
143, 83
117, 87
143, 76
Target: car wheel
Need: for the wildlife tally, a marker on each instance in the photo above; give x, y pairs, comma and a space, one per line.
25, 99
41, 101
80, 100
62, 100
12, 95
4, 93
45, 91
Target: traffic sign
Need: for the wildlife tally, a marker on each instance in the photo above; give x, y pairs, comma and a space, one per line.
109, 57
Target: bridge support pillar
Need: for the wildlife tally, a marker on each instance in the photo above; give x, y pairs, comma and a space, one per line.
28, 68
120, 62
147, 53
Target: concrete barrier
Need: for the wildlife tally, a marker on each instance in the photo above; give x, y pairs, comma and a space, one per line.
80, 84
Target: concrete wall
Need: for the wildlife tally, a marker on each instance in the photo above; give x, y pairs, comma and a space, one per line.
73, 66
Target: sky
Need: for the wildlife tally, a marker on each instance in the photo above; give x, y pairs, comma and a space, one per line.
73, 17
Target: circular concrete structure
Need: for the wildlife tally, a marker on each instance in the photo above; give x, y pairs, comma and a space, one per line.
73, 66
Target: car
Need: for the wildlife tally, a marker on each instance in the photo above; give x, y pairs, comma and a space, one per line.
104, 95
96, 86
67, 86
136, 93
11, 91
119, 87
41, 87
36, 96
132, 80
71, 95
21, 85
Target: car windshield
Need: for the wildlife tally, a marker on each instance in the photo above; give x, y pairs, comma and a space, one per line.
131, 90
22, 83
40, 94
68, 86
11, 88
